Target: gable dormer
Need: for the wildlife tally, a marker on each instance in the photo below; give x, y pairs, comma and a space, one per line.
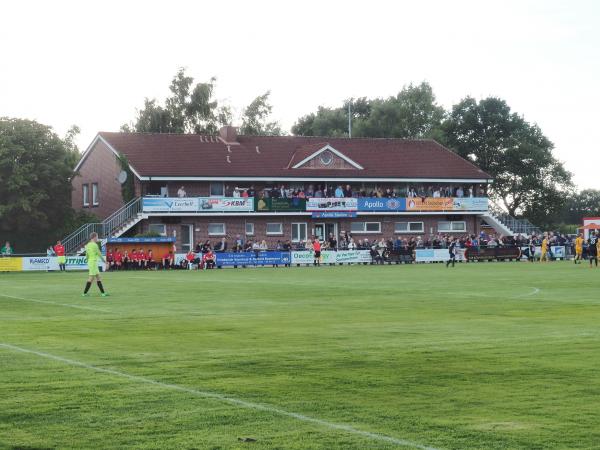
322, 156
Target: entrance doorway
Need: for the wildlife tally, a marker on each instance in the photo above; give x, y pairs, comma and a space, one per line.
322, 230
187, 238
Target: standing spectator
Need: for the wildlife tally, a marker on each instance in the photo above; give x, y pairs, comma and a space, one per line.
238, 244
7, 250
221, 246
339, 192
459, 192
332, 242
348, 191
181, 192
316, 245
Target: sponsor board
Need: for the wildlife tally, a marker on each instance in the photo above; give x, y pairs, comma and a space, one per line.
331, 257
144, 240
332, 204
226, 204
381, 204
437, 254
261, 258
281, 204
333, 215
470, 204
11, 264
51, 263
558, 251
169, 204
429, 204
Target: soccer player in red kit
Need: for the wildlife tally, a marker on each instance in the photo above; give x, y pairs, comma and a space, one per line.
149, 259
133, 257
118, 259
142, 259
59, 249
110, 260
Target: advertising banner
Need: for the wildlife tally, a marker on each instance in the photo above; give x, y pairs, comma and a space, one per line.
141, 240
226, 204
437, 254
557, 251
331, 257
333, 215
381, 204
470, 204
429, 204
264, 258
44, 263
11, 264
169, 204
332, 204
281, 204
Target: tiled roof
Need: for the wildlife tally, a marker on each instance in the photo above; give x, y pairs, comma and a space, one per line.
188, 155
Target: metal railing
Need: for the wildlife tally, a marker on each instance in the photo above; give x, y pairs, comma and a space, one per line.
517, 226
105, 229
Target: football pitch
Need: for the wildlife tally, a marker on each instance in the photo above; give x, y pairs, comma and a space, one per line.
485, 356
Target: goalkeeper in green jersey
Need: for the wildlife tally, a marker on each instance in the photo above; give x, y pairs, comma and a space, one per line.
92, 252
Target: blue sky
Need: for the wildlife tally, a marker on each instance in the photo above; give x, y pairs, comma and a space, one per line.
92, 64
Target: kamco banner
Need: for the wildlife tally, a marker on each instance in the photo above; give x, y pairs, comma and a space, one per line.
429, 204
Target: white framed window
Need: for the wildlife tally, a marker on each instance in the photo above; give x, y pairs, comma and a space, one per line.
452, 227
158, 228
274, 228
95, 198
299, 232
86, 194
216, 229
249, 229
217, 189
409, 227
365, 227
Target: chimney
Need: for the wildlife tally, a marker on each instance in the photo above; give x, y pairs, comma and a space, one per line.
228, 134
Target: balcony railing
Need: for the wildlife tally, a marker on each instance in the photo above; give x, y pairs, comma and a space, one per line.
198, 205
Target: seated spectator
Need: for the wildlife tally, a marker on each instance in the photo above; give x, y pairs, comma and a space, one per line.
206, 247
209, 260
150, 259
181, 192
248, 247
166, 260
263, 246
190, 257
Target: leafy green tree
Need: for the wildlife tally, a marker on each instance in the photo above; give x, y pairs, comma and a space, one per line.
36, 167
191, 108
528, 179
412, 113
585, 203
255, 118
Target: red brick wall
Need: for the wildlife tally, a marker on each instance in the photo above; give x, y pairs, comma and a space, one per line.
102, 167
237, 225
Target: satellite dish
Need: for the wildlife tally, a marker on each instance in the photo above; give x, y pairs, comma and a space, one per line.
122, 178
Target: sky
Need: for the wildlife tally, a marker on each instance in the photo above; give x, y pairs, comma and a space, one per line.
92, 64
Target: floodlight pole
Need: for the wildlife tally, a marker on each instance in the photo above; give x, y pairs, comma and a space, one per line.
349, 120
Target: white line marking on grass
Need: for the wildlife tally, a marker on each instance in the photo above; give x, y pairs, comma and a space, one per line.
225, 398
529, 294
47, 302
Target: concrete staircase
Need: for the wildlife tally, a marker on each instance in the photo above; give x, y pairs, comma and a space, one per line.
506, 224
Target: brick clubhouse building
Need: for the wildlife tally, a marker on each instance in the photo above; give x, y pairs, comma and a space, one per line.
195, 187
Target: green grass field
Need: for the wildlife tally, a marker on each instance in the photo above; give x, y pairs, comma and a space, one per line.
488, 356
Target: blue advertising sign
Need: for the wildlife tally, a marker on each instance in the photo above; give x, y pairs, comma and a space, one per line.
333, 215
381, 204
143, 240
263, 258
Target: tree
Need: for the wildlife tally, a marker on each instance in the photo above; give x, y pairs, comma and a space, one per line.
255, 118
528, 179
412, 113
191, 108
581, 204
35, 187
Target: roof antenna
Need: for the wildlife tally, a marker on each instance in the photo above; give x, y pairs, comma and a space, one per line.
228, 160
349, 118
229, 148
257, 150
